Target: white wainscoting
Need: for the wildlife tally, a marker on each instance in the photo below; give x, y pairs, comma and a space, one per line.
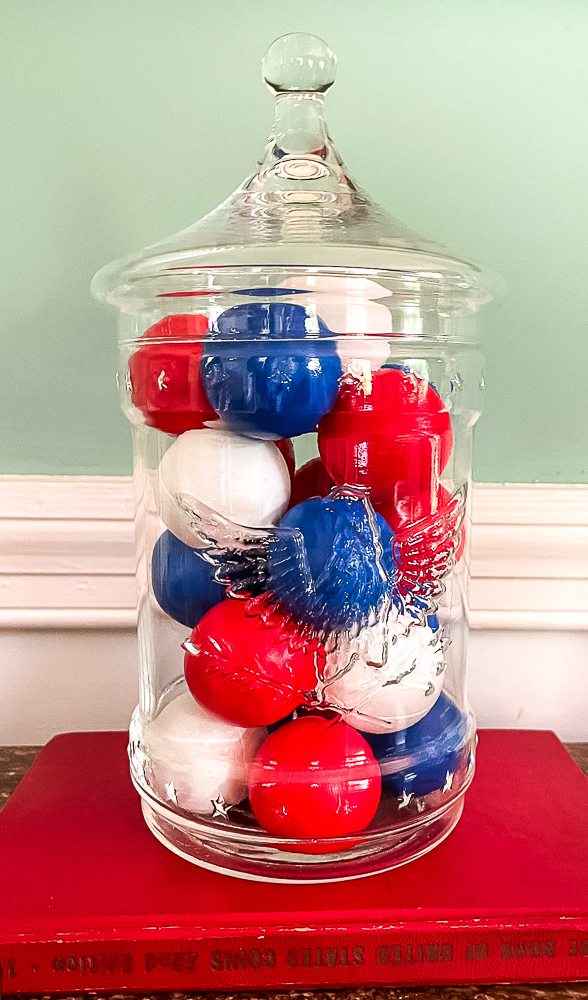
67, 598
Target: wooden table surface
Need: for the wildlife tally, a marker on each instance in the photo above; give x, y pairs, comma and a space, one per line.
15, 762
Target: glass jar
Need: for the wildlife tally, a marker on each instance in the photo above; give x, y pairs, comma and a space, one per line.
302, 376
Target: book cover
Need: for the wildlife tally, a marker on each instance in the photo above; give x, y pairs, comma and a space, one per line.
89, 899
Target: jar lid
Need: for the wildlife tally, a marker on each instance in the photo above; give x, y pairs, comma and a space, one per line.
299, 213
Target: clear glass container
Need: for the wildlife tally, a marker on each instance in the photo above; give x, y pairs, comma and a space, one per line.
302, 376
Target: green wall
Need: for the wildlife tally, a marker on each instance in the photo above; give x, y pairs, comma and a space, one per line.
123, 121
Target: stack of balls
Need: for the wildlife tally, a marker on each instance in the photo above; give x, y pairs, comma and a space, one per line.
304, 698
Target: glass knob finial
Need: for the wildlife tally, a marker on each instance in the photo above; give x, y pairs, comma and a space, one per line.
299, 62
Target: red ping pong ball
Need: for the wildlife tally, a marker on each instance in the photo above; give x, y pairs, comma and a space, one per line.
287, 449
312, 480
314, 777
403, 511
395, 430
246, 671
166, 385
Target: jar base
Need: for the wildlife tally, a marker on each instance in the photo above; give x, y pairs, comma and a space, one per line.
264, 863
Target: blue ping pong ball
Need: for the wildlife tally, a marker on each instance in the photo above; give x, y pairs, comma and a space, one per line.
271, 375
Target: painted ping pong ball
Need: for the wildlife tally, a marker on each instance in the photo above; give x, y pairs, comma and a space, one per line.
312, 480
314, 777
245, 480
195, 756
246, 671
417, 760
274, 373
386, 678
164, 373
346, 306
391, 434
182, 581
350, 316
362, 355
339, 285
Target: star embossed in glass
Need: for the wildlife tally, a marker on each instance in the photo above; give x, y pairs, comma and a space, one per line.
171, 793
141, 761
448, 782
220, 808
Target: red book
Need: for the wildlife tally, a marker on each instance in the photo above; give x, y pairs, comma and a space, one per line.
91, 900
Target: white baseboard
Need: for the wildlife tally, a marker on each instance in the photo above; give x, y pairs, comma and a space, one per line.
67, 607
67, 555
529, 559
